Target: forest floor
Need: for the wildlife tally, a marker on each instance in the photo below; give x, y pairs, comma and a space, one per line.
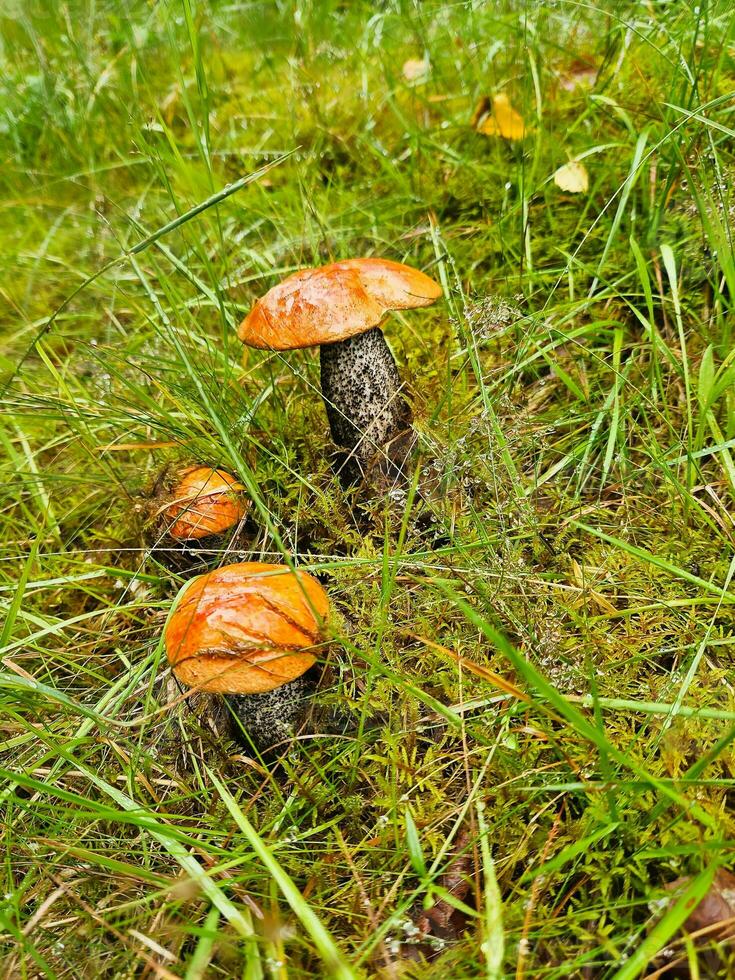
533, 641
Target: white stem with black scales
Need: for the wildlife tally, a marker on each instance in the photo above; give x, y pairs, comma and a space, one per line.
270, 720
361, 390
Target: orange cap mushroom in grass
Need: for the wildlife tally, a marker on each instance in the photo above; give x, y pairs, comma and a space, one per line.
195, 517
339, 308
205, 501
251, 631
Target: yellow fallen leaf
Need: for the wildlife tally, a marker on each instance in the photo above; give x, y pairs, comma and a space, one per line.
415, 69
498, 118
572, 177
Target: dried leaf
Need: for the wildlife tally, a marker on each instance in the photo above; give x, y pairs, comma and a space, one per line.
444, 920
716, 911
572, 178
711, 922
416, 69
498, 118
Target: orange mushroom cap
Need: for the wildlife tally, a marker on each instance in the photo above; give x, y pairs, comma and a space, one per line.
206, 501
246, 628
394, 285
334, 302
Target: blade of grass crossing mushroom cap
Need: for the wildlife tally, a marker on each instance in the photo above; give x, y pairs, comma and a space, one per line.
339, 308
238, 461
333, 959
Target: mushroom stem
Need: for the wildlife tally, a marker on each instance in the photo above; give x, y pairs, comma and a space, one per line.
361, 388
269, 720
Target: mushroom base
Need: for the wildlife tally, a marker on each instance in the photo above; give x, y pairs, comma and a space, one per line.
367, 414
268, 721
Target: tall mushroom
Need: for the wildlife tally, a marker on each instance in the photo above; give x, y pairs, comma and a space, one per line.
339, 307
250, 631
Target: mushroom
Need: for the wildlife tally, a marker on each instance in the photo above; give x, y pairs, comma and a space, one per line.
339, 307
201, 512
205, 501
250, 631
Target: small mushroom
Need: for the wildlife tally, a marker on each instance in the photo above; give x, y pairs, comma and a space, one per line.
250, 631
339, 307
201, 512
205, 501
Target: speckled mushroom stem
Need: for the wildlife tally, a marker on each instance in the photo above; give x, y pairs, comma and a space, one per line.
361, 390
269, 721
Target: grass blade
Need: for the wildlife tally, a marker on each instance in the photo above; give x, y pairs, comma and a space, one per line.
334, 961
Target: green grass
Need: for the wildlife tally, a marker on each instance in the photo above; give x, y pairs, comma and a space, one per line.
536, 649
